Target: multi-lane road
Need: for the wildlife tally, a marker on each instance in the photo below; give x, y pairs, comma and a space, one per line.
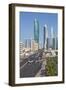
30, 66
33, 65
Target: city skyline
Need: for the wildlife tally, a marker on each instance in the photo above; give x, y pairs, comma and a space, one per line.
38, 44
27, 32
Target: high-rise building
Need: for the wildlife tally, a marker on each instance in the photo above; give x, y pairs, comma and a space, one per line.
34, 45
51, 37
36, 31
45, 36
40, 45
53, 40
53, 46
56, 44
21, 47
48, 43
27, 43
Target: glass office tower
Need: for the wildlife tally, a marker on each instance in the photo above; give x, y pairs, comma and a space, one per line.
36, 31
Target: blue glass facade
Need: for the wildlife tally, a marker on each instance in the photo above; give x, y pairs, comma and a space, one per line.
36, 31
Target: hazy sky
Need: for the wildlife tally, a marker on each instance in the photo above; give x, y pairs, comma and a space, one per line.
27, 24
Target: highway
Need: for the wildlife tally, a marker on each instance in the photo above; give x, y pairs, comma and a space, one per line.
30, 66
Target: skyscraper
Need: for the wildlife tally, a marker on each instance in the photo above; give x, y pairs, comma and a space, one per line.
36, 31
45, 36
51, 38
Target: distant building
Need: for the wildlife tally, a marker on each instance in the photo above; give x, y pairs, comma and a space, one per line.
56, 43
21, 47
48, 43
40, 46
51, 37
34, 45
27, 43
53, 47
54, 40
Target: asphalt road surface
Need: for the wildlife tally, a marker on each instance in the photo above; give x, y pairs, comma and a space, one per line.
29, 67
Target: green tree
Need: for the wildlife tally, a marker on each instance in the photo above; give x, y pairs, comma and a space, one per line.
52, 66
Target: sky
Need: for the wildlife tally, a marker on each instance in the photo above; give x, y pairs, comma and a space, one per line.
27, 24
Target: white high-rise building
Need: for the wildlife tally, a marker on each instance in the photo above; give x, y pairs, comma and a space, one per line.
51, 37
45, 36
21, 47
34, 45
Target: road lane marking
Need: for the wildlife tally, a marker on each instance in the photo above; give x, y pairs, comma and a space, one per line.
23, 65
